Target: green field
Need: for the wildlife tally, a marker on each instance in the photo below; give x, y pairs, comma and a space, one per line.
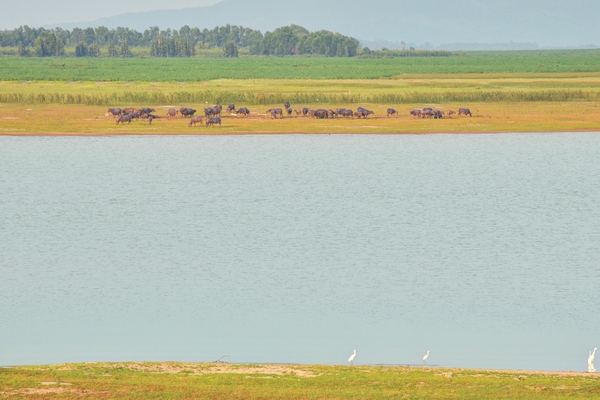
203, 69
227, 381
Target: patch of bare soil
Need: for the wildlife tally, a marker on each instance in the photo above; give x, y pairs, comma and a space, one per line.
215, 368
525, 374
37, 392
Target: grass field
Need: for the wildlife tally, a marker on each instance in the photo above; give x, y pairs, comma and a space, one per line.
406, 90
22, 120
227, 381
202, 69
507, 91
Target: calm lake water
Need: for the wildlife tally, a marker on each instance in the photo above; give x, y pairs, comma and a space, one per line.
484, 249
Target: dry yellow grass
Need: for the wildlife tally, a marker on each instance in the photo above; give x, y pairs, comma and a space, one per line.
35, 119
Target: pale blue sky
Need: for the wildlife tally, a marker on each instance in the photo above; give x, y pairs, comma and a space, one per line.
36, 13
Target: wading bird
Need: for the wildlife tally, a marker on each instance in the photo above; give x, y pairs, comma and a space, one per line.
351, 359
591, 358
425, 357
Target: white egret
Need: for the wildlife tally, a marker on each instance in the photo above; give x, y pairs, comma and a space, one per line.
591, 358
425, 357
351, 359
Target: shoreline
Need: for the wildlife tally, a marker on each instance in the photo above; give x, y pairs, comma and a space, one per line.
219, 380
271, 133
270, 366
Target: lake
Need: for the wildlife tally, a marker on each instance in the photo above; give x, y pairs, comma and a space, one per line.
483, 249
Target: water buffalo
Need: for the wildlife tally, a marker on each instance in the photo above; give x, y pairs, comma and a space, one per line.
115, 111
172, 113
364, 112
212, 121
231, 108
195, 120
305, 111
320, 113
464, 111
275, 112
415, 113
152, 117
217, 110
129, 110
287, 105
210, 112
298, 113
243, 111
391, 111
450, 112
345, 113
147, 111
124, 118
290, 111
187, 112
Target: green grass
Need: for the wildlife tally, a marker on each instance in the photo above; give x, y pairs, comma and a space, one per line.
423, 89
203, 69
224, 381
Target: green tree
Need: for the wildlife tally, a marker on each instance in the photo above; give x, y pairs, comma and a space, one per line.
48, 45
23, 51
94, 50
81, 50
112, 50
230, 49
125, 52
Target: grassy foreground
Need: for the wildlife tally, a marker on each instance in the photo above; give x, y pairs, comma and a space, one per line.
231, 381
500, 103
26, 120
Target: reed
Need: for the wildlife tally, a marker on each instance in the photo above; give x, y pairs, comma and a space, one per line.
252, 98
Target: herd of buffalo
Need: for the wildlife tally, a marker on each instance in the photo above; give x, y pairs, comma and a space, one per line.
212, 115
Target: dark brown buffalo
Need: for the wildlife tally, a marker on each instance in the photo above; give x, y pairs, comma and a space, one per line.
364, 112
415, 112
187, 112
345, 113
321, 114
464, 111
391, 111
290, 111
147, 110
231, 108
275, 112
124, 118
450, 113
243, 111
115, 111
305, 111
172, 113
218, 109
195, 120
212, 121
287, 105
129, 110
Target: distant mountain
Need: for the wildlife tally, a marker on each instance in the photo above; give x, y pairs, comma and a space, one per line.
545, 22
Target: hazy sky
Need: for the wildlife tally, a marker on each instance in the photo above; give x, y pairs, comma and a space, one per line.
36, 13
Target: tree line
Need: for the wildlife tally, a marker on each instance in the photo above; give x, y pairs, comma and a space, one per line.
187, 41
98, 41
